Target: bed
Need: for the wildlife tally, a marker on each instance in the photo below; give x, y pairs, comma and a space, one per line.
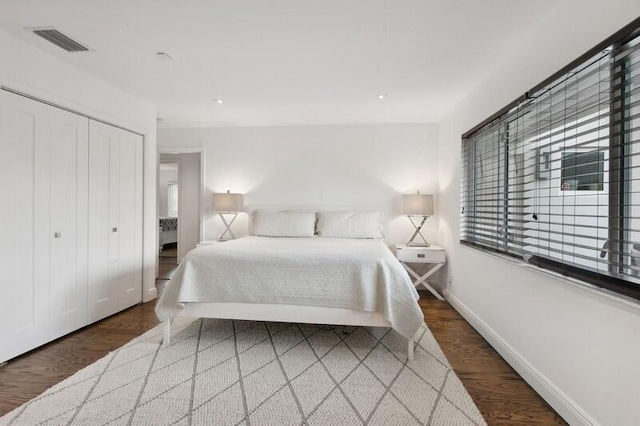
308, 279
168, 231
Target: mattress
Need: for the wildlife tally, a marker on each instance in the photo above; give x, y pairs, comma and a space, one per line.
357, 274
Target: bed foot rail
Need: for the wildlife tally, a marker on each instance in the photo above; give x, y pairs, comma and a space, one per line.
166, 338
410, 348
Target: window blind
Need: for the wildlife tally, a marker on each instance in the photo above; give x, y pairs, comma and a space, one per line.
554, 178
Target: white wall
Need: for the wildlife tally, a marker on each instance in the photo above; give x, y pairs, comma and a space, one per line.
324, 167
32, 71
189, 203
577, 347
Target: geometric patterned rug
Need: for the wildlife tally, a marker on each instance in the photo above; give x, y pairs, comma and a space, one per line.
224, 372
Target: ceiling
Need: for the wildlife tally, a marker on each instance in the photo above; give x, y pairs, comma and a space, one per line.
285, 62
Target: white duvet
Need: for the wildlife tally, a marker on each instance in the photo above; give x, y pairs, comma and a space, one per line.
358, 274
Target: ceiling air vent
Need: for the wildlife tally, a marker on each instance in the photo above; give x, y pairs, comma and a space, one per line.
62, 41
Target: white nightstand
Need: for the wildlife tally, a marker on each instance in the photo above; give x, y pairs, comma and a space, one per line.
431, 255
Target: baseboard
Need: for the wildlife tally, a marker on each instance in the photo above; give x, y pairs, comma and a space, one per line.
150, 294
565, 406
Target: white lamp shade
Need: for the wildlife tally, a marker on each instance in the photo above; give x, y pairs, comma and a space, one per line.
418, 204
226, 202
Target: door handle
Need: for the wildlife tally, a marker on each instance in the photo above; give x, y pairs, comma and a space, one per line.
57, 235
115, 229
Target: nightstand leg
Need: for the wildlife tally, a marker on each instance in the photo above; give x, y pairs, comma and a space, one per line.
423, 279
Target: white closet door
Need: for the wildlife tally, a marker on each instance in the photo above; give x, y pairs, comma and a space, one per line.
115, 220
24, 300
103, 253
68, 186
129, 181
43, 182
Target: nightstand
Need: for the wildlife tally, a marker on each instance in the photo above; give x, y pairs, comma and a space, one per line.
431, 255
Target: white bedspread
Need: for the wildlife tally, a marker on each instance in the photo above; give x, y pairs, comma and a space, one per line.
353, 274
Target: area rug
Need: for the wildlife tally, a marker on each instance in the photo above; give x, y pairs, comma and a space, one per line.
223, 372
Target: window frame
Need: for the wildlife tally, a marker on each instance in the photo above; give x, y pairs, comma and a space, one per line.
616, 280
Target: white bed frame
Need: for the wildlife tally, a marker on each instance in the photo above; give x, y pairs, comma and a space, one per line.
282, 313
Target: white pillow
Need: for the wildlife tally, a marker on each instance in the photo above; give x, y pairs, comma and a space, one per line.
351, 224
269, 223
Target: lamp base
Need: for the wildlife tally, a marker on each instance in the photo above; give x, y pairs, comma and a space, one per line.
227, 229
417, 232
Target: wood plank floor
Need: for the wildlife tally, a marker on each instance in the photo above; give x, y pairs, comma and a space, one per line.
501, 395
166, 267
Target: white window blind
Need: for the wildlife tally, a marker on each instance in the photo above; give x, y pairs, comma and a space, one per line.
554, 178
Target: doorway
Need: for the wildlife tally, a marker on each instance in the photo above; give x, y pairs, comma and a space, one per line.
180, 189
168, 209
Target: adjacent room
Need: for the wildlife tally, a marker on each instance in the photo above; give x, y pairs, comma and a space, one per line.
168, 201
319, 212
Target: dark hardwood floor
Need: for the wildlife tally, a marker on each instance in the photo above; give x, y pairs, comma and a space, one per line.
29, 375
167, 263
166, 270
502, 396
499, 392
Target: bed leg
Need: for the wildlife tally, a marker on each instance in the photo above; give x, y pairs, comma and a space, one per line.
410, 348
167, 332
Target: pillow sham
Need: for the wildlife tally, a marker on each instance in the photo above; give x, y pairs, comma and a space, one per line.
351, 224
270, 223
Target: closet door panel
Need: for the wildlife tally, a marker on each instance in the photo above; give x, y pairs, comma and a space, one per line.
114, 204
102, 288
115, 222
130, 219
24, 300
68, 212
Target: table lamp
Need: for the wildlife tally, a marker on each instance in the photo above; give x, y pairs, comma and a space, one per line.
227, 203
417, 206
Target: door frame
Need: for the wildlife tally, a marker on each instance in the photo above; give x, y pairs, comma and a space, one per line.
202, 152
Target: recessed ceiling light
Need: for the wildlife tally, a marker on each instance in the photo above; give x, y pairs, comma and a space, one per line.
381, 96
218, 101
164, 56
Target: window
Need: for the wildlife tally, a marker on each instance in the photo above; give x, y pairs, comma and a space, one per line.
554, 178
172, 199
582, 171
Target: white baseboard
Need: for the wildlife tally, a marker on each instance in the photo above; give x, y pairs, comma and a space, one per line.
150, 294
565, 406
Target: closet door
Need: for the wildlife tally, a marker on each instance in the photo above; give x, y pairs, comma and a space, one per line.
24, 300
67, 185
43, 182
115, 220
103, 253
129, 183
